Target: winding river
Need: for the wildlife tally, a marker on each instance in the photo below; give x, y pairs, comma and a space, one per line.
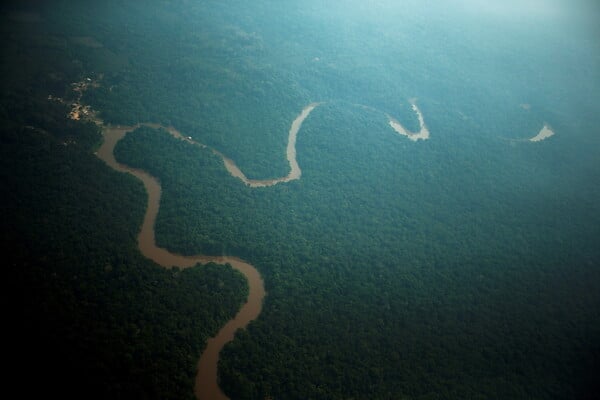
206, 385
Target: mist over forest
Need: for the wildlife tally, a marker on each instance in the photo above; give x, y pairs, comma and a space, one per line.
441, 240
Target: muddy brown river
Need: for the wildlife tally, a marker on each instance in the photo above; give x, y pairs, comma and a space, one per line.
206, 386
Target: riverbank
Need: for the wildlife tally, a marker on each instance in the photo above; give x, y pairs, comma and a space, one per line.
206, 386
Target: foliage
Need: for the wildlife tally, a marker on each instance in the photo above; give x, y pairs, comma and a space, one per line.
85, 313
465, 266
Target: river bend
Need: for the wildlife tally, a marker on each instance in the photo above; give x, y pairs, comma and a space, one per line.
206, 385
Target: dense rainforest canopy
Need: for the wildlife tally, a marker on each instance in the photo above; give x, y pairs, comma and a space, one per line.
462, 266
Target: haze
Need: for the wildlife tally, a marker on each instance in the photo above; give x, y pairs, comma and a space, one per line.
296, 200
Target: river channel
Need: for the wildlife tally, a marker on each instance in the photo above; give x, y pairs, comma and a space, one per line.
206, 385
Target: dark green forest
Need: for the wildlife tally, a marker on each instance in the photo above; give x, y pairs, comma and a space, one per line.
466, 266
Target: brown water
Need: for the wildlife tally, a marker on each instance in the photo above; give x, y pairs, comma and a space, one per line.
206, 387
423, 133
544, 133
295, 171
230, 165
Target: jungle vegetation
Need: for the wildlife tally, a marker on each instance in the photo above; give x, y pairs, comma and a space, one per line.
464, 266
